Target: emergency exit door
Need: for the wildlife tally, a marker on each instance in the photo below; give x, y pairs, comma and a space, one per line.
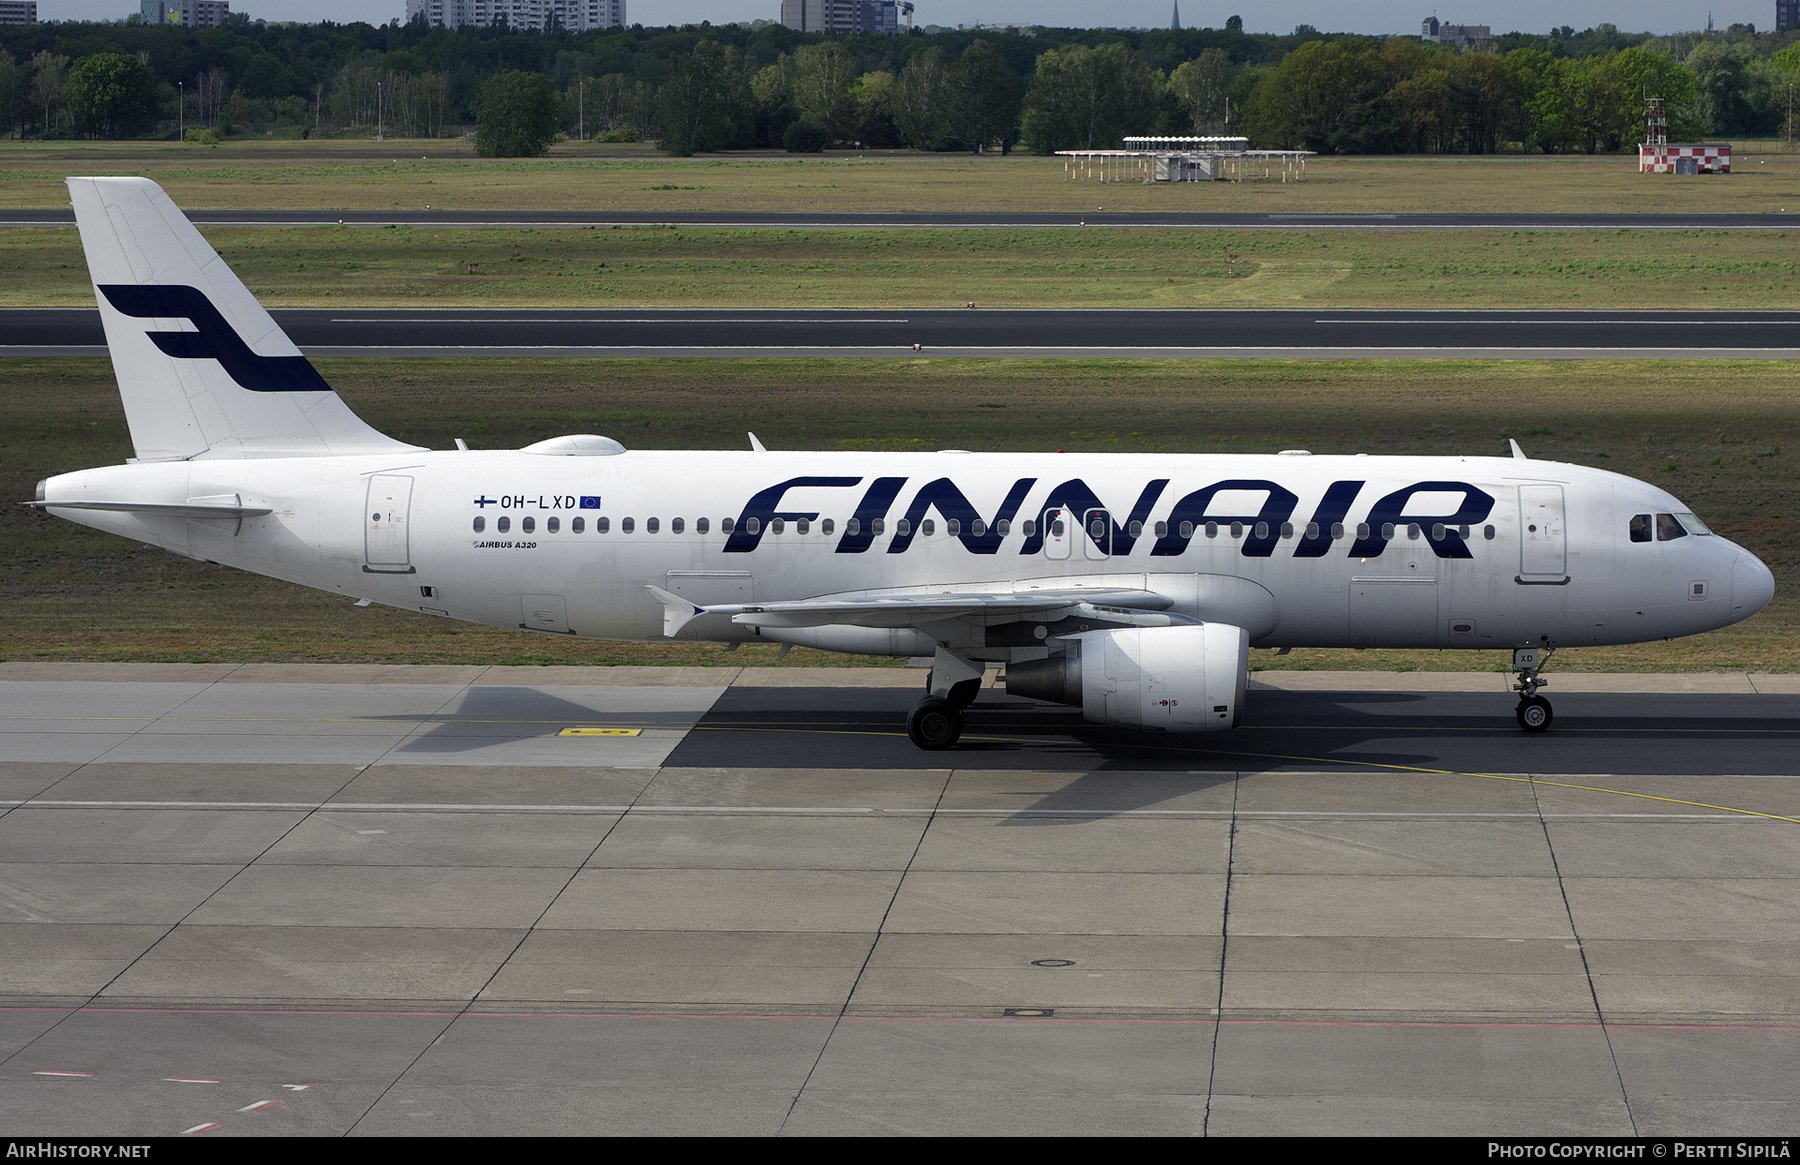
385, 542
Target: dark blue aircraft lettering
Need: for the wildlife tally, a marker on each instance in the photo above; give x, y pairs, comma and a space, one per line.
1190, 517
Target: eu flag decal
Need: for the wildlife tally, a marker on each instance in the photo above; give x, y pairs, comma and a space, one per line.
588, 503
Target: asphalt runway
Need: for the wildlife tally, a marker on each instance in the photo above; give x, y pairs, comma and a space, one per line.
253, 899
976, 220
962, 332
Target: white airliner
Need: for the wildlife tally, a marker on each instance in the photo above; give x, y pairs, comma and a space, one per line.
1130, 585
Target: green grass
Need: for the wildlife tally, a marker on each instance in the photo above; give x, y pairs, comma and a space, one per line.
686, 267
1724, 436
443, 173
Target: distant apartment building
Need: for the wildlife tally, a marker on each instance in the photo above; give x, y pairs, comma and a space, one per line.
18, 11
188, 13
1787, 14
878, 17
535, 15
1466, 36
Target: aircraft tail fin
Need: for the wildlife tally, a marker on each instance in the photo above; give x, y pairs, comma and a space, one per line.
203, 370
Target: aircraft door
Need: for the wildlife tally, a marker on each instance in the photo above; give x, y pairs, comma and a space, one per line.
386, 547
1543, 543
1098, 525
1058, 537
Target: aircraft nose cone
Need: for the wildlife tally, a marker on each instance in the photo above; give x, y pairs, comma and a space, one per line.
1752, 586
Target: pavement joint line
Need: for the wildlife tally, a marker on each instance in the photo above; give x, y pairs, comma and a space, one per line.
856, 811
1173, 1021
1587, 968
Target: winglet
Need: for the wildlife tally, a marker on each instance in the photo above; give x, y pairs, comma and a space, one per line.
1518, 453
755, 445
677, 611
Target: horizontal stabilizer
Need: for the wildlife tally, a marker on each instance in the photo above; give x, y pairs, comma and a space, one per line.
228, 507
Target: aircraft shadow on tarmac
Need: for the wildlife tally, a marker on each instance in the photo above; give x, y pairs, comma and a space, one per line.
1123, 769
1293, 731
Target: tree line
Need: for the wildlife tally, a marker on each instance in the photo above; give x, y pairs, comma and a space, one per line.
761, 85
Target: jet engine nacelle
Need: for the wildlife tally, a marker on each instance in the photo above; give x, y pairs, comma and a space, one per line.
1183, 679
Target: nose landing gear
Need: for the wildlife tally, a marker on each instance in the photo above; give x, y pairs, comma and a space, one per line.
1534, 712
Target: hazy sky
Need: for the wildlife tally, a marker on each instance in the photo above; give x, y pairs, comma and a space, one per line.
1265, 16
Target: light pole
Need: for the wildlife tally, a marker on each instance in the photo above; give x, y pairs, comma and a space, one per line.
181, 109
581, 108
378, 111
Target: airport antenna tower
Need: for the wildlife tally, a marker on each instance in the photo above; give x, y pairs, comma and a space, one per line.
1656, 123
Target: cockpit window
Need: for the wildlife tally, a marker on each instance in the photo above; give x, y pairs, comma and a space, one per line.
1692, 524
1640, 527
1668, 529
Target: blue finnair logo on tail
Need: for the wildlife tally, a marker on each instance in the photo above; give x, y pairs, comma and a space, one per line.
212, 339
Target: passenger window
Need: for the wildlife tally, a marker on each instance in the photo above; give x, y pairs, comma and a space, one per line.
1162, 529
753, 526
978, 527
1437, 532
701, 525
801, 526
927, 528
602, 525
1136, 529
553, 525
676, 525
1412, 529
1262, 529
1362, 530
1003, 527
1287, 529
726, 525
1028, 528
1668, 529
776, 525
1212, 529
504, 524
1097, 528
1312, 530
1187, 529
826, 526
1387, 530
903, 527
1640, 527
480, 523
953, 527
651, 526
878, 526
528, 524
1488, 533
1337, 531
577, 525
626, 525
853, 527
1056, 528
1237, 529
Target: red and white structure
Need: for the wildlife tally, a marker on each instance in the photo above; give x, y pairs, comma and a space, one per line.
1685, 158
1658, 156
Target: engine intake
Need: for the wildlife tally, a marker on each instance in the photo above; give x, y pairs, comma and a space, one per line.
1183, 679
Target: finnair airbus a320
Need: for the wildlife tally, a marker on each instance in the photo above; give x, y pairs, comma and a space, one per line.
1130, 585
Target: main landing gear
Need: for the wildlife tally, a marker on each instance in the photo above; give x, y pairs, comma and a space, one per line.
1534, 712
936, 722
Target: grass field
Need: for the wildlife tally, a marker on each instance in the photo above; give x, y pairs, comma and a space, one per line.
443, 173
666, 267
1722, 436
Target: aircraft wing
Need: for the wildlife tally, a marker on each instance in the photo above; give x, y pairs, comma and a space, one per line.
914, 607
